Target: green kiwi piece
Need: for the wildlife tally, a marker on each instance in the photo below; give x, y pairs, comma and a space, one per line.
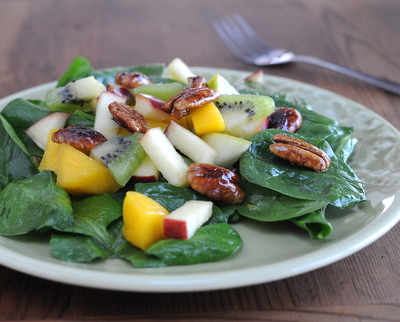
121, 155
163, 91
244, 114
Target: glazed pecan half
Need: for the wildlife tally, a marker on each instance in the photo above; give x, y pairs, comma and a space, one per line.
131, 79
217, 183
299, 152
80, 137
285, 118
127, 117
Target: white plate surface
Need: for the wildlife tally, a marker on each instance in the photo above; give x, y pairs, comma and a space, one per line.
271, 251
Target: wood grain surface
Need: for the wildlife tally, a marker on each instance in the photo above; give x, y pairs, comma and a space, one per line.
38, 40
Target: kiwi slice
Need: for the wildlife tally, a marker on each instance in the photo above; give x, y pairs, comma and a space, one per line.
121, 155
76, 95
244, 114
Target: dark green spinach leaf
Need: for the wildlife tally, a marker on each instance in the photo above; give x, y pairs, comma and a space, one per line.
209, 244
34, 204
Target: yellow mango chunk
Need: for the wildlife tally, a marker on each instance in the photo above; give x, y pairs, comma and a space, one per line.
153, 123
207, 119
81, 175
143, 220
50, 155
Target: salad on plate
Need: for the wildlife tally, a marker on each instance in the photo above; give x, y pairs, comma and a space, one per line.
156, 165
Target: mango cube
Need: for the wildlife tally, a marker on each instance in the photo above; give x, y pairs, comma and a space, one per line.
143, 220
81, 175
50, 155
207, 119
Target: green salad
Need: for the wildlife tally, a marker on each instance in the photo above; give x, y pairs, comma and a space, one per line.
82, 227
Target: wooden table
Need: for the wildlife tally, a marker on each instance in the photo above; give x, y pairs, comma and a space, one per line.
38, 40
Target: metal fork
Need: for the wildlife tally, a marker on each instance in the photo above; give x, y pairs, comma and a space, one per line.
243, 41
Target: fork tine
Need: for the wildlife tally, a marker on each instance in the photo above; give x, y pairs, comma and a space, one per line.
220, 28
241, 38
249, 32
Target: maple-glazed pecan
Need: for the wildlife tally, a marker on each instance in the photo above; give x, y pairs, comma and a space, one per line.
285, 118
132, 79
80, 137
180, 104
299, 152
217, 183
197, 81
127, 117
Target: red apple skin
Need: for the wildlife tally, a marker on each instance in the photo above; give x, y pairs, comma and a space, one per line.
143, 179
265, 124
122, 91
175, 229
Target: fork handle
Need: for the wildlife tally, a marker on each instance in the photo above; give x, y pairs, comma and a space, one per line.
379, 82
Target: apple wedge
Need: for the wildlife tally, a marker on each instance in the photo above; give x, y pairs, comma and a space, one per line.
183, 222
151, 107
122, 91
40, 130
190, 144
165, 157
221, 85
146, 172
229, 148
179, 71
103, 122
256, 77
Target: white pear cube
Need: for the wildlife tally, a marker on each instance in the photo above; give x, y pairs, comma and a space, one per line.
39, 131
190, 144
179, 71
103, 122
229, 148
183, 222
165, 157
146, 172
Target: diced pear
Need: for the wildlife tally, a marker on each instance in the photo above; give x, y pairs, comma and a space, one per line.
39, 131
229, 148
179, 71
143, 220
190, 144
183, 222
221, 85
165, 157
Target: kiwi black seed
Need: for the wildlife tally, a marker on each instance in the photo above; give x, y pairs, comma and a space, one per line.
121, 155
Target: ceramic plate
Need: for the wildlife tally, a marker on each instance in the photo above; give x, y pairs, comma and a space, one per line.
270, 251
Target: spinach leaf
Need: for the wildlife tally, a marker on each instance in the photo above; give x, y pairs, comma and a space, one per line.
315, 223
25, 207
80, 118
209, 244
21, 114
265, 205
337, 185
88, 237
124, 250
79, 68
15, 161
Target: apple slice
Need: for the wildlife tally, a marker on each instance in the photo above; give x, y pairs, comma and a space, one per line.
221, 84
183, 222
122, 91
151, 107
40, 130
229, 148
146, 172
165, 157
179, 71
256, 77
103, 122
190, 144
